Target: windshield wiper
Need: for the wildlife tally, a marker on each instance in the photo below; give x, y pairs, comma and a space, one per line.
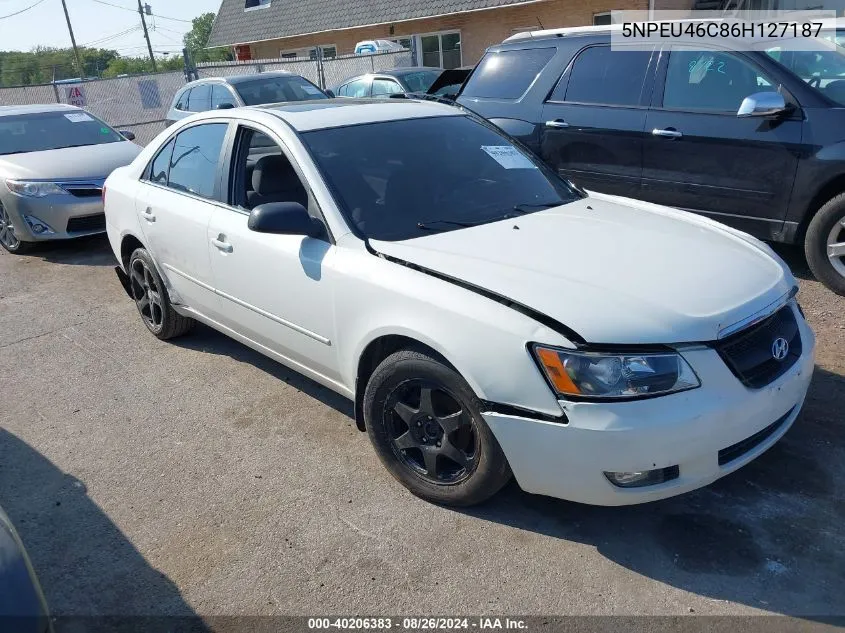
528, 207
427, 225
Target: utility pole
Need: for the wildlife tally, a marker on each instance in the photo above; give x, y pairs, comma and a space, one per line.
73, 41
146, 35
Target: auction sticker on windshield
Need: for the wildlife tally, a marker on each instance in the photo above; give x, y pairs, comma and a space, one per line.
78, 117
508, 157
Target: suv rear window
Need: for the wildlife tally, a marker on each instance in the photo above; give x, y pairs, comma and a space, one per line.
507, 74
604, 76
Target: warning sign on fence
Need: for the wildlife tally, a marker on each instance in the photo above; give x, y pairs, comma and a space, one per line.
76, 96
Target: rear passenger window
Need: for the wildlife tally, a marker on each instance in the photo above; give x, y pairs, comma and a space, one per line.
507, 74
182, 102
603, 76
200, 100
196, 154
358, 88
161, 164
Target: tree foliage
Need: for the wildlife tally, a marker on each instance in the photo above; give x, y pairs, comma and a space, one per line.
197, 38
45, 64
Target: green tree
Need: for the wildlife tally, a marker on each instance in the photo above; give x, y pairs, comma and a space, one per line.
197, 38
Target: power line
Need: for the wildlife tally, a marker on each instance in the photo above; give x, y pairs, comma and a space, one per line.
155, 15
112, 37
10, 15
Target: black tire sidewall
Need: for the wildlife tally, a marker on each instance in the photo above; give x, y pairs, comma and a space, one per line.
491, 472
167, 310
815, 245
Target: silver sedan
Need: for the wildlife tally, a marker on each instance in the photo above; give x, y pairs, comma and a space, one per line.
54, 160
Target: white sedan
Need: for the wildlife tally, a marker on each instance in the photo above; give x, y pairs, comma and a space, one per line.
487, 317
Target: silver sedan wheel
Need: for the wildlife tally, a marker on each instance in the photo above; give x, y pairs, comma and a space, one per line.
7, 231
147, 295
836, 247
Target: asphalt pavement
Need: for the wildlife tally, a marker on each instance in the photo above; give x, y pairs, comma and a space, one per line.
198, 477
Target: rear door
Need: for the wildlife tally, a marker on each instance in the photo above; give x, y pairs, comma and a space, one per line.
700, 156
594, 120
175, 203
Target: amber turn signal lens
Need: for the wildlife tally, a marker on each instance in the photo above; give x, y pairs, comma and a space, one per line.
556, 371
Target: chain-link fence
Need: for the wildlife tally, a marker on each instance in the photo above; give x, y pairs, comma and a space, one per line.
140, 103
326, 73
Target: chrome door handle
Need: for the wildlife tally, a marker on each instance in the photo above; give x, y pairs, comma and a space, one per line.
667, 133
222, 245
148, 215
557, 124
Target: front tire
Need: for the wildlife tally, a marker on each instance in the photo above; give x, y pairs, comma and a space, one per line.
825, 244
8, 239
425, 423
152, 300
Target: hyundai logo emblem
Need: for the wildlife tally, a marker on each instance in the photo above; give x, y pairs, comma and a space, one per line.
780, 348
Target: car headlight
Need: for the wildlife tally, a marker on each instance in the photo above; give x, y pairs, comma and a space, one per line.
34, 189
605, 375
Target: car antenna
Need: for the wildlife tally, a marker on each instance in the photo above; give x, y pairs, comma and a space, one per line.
542, 28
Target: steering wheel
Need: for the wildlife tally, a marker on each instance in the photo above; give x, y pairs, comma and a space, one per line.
815, 81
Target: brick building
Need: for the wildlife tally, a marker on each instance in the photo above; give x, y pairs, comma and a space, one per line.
447, 33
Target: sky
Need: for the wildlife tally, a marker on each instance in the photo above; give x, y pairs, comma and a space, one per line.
99, 23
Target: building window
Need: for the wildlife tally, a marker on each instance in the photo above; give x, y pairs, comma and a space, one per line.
256, 4
601, 19
329, 52
441, 50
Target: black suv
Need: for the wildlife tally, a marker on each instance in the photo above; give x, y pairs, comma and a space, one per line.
754, 139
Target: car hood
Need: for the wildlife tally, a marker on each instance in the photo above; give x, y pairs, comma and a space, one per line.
70, 163
612, 269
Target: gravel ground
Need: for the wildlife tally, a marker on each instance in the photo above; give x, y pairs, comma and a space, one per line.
200, 477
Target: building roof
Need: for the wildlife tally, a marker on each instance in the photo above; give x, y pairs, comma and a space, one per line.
285, 18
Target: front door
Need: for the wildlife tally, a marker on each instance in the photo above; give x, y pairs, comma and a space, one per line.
592, 125
174, 208
274, 289
700, 156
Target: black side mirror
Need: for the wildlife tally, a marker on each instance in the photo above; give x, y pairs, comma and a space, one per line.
225, 106
400, 95
330, 93
129, 136
284, 218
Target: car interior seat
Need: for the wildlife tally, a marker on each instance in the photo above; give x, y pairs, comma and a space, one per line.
274, 180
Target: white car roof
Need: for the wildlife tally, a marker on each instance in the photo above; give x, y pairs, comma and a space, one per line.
331, 113
12, 110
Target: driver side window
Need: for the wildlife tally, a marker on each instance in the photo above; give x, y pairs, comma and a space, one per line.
264, 173
711, 80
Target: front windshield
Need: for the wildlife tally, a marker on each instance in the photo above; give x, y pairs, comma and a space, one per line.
404, 179
41, 131
420, 81
278, 90
822, 68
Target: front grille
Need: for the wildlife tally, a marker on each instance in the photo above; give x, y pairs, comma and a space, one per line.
87, 223
729, 454
85, 192
749, 353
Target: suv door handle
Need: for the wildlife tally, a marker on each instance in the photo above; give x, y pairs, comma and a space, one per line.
148, 215
669, 132
557, 124
222, 245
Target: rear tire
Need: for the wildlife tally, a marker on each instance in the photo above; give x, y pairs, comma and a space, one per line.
152, 300
826, 237
425, 423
